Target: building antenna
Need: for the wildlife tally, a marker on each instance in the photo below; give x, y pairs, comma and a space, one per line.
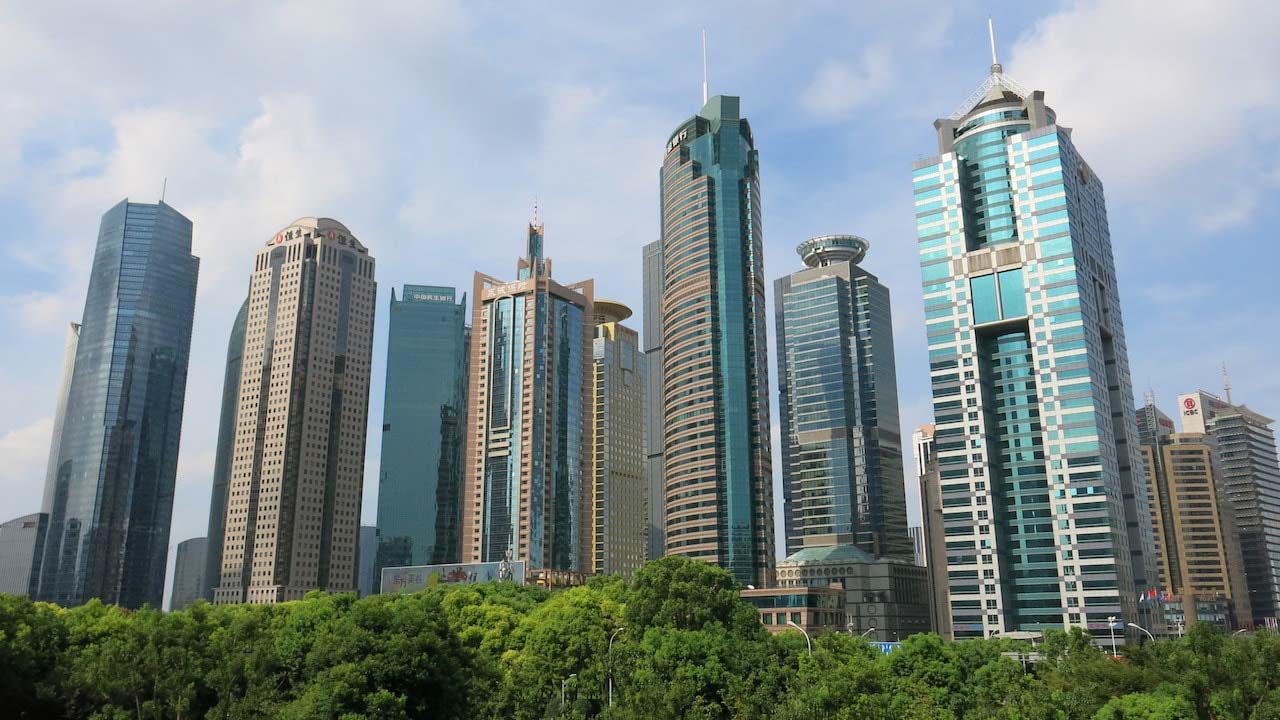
704, 66
164, 188
991, 35
1226, 383
1149, 397
535, 210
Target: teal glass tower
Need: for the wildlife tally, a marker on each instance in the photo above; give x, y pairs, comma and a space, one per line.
715, 379
111, 497
1043, 499
838, 395
222, 455
420, 480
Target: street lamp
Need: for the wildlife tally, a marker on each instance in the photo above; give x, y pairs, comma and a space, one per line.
868, 631
1111, 625
807, 641
1139, 627
1241, 630
563, 683
611, 637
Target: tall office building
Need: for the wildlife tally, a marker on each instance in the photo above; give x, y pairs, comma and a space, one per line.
1197, 548
110, 500
619, 542
60, 414
1251, 479
715, 376
1039, 469
21, 552
423, 411
297, 467
223, 453
838, 392
933, 528
653, 462
367, 565
528, 442
188, 573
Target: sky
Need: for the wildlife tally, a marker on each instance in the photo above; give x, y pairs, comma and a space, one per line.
431, 129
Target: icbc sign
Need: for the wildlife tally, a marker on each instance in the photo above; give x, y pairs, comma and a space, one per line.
1189, 407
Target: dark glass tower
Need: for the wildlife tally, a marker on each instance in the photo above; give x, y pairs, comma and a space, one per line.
838, 389
222, 460
111, 499
420, 482
715, 379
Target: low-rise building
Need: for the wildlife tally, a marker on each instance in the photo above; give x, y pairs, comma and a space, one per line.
814, 609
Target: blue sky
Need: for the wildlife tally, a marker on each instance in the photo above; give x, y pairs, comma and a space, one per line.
430, 130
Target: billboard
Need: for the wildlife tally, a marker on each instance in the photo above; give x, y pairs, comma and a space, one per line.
417, 577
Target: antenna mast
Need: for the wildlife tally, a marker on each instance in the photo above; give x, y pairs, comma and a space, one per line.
164, 188
1226, 383
704, 66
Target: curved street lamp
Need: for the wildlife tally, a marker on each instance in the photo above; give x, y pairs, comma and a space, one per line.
610, 654
1139, 627
563, 683
807, 640
868, 631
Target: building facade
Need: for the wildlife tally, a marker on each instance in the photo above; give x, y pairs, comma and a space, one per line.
188, 572
21, 552
60, 413
838, 395
223, 453
528, 440
1200, 568
814, 610
653, 439
715, 380
297, 469
423, 413
619, 542
1045, 509
933, 525
110, 499
1246, 446
367, 566
886, 599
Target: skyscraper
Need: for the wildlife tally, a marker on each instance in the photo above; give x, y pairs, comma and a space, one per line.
367, 565
1251, 479
223, 453
619, 538
1198, 555
528, 443
838, 392
933, 527
715, 379
188, 572
60, 413
653, 439
21, 552
420, 481
110, 500
293, 504
1047, 519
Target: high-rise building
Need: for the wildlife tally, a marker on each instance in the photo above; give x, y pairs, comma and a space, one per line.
918, 554
619, 542
420, 480
188, 572
110, 500
1039, 469
21, 552
60, 414
223, 453
715, 378
838, 396
1199, 565
653, 462
367, 583
528, 442
933, 527
297, 468
1251, 480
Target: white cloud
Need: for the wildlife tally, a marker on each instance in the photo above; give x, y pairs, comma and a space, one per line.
24, 457
838, 88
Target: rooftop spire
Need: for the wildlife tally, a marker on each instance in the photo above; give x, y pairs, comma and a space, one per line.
704, 66
1226, 383
996, 68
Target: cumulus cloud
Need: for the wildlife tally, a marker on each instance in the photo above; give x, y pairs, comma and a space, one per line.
838, 88
24, 457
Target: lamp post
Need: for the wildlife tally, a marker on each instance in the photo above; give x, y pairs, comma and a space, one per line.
1139, 627
1111, 625
868, 631
807, 641
611, 637
563, 683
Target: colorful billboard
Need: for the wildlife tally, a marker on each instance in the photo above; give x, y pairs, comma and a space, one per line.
417, 577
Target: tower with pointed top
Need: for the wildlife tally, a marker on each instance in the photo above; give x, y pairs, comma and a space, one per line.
715, 381
1041, 479
527, 448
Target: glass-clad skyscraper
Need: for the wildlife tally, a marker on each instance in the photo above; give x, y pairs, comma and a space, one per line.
223, 453
1045, 506
838, 389
652, 363
715, 376
111, 498
528, 443
424, 408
